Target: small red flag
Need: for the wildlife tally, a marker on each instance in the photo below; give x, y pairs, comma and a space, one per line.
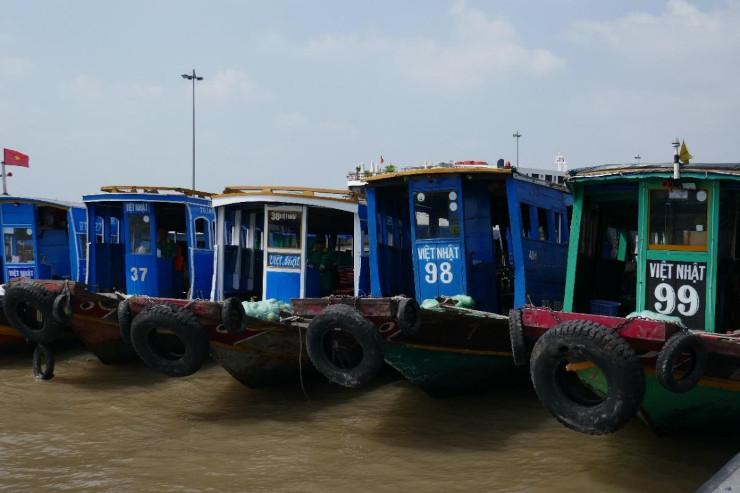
381, 159
15, 158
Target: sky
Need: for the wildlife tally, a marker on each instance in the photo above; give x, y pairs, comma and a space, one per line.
299, 93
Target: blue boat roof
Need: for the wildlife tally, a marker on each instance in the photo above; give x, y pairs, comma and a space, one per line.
136, 193
42, 201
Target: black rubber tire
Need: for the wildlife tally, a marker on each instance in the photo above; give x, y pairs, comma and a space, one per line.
178, 322
123, 316
233, 316
61, 309
566, 397
519, 349
342, 320
675, 347
43, 362
22, 299
408, 315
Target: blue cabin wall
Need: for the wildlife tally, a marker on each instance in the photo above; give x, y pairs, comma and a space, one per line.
55, 254
391, 268
480, 258
539, 264
364, 282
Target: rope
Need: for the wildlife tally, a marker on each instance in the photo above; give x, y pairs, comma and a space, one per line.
300, 361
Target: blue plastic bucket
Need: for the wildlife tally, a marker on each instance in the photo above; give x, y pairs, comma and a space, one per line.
604, 307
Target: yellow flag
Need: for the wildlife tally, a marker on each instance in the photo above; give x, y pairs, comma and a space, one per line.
684, 155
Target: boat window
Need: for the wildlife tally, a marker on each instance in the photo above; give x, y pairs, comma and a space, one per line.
389, 231
140, 234
526, 220
18, 245
284, 229
202, 234
678, 218
82, 243
115, 230
543, 228
99, 230
437, 214
559, 226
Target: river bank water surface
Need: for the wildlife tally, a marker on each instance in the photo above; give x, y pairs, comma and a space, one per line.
98, 428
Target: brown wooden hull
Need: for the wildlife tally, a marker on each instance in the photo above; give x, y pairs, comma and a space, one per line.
94, 322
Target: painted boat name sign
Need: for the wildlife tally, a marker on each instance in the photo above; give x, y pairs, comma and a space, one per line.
439, 262
284, 260
678, 289
18, 272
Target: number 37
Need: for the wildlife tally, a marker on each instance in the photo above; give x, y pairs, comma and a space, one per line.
139, 273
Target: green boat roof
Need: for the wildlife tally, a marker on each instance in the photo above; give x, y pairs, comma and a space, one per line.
716, 171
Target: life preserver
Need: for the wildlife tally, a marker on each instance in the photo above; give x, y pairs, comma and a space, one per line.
43, 362
519, 350
408, 316
683, 350
29, 307
170, 340
233, 316
344, 346
562, 391
123, 315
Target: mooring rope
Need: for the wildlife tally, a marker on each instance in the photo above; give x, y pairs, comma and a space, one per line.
300, 361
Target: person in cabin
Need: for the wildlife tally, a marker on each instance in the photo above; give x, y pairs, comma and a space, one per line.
166, 248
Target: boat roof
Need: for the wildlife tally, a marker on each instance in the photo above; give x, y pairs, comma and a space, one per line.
463, 168
332, 198
42, 201
655, 170
129, 193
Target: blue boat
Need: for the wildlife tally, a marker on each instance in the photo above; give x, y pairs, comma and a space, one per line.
153, 241
42, 239
284, 243
274, 245
460, 236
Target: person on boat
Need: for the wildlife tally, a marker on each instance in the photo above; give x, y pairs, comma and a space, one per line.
166, 248
325, 261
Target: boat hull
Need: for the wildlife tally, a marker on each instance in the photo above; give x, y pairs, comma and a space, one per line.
455, 352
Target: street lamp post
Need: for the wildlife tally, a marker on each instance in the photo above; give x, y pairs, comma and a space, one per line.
516, 136
193, 77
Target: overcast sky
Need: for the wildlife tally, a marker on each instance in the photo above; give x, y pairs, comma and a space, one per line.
300, 92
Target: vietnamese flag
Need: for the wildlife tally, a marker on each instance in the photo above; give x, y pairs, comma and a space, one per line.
15, 158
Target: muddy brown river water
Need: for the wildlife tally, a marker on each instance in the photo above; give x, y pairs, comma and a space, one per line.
98, 428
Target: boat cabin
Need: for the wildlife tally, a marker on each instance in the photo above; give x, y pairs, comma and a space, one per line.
43, 239
288, 242
154, 241
657, 237
488, 232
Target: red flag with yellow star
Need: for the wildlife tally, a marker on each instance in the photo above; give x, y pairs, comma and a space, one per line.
15, 158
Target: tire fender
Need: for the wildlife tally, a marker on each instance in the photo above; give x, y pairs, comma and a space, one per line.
408, 315
343, 320
233, 316
43, 362
23, 302
677, 346
562, 391
519, 349
180, 323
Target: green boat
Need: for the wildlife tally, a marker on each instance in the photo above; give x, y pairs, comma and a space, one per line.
650, 320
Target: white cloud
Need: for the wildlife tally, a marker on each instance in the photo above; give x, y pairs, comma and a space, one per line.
14, 67
681, 31
231, 84
475, 49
